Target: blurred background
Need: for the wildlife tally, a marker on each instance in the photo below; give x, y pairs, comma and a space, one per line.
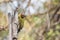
37, 19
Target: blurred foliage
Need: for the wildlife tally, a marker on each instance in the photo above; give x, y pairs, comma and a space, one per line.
3, 24
31, 33
53, 33
56, 2
3, 34
3, 19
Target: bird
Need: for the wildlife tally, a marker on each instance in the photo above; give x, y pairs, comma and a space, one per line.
21, 21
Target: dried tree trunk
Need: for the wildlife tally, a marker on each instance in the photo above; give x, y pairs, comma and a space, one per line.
13, 20
15, 24
10, 27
